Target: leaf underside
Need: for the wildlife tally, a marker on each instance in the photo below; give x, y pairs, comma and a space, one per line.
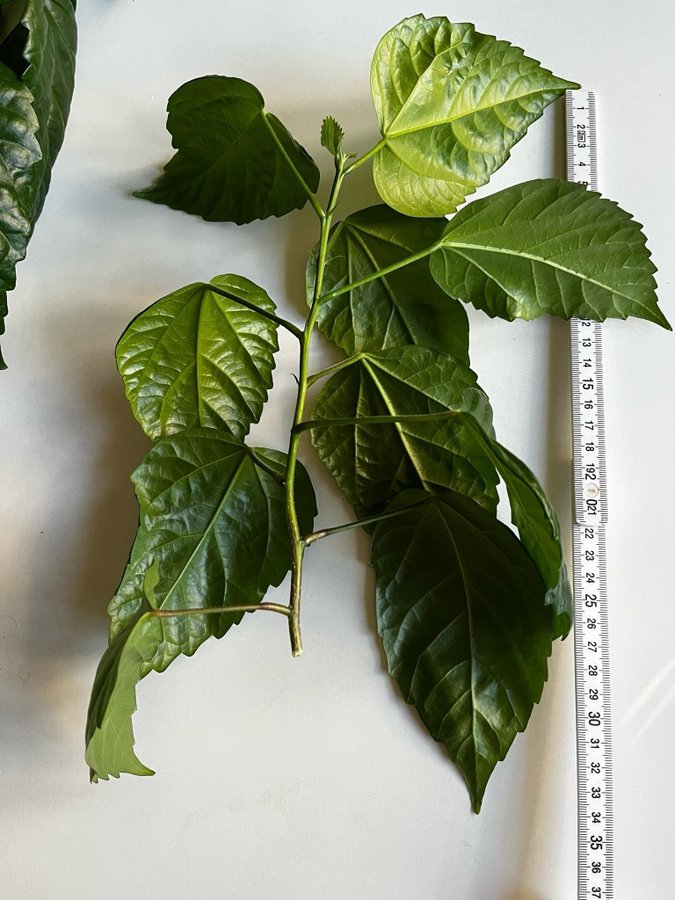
212, 533
405, 307
228, 166
197, 358
548, 246
451, 103
465, 630
33, 115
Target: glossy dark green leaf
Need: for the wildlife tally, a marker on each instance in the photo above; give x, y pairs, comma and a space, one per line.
404, 307
37, 64
548, 246
460, 609
451, 103
235, 161
373, 462
213, 533
537, 525
196, 358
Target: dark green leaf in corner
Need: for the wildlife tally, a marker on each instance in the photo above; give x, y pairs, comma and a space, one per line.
197, 358
235, 161
213, 533
548, 246
451, 103
404, 307
373, 462
466, 633
37, 65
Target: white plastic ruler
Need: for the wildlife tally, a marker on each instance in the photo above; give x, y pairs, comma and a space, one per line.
591, 635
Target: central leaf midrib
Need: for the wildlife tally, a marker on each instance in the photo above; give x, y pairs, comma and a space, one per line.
390, 135
503, 251
472, 655
393, 412
207, 530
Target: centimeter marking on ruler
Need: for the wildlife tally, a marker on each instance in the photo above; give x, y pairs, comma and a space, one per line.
591, 634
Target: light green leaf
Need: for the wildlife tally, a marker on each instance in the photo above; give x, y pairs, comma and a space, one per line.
404, 307
332, 136
213, 533
197, 358
451, 103
373, 462
37, 64
109, 735
465, 630
235, 161
548, 246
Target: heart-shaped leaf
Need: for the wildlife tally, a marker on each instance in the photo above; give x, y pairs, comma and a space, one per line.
235, 161
213, 533
198, 358
548, 246
404, 307
451, 103
460, 609
373, 462
37, 66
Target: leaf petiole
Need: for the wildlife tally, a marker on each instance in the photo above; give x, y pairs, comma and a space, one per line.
358, 523
318, 209
284, 323
399, 264
377, 420
220, 610
366, 156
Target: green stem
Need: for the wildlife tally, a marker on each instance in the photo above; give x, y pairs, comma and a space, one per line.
220, 610
358, 523
297, 542
406, 261
332, 370
366, 156
277, 476
377, 420
318, 209
289, 326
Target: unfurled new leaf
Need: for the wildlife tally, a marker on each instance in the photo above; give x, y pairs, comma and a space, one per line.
332, 136
36, 85
460, 609
198, 358
235, 161
451, 103
548, 246
373, 462
404, 307
212, 534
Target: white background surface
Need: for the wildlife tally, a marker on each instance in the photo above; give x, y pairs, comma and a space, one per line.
310, 778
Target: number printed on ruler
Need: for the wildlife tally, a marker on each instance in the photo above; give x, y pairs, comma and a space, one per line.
591, 647
590, 494
591, 634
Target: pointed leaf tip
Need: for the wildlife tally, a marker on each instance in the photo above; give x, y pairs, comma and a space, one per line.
467, 635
